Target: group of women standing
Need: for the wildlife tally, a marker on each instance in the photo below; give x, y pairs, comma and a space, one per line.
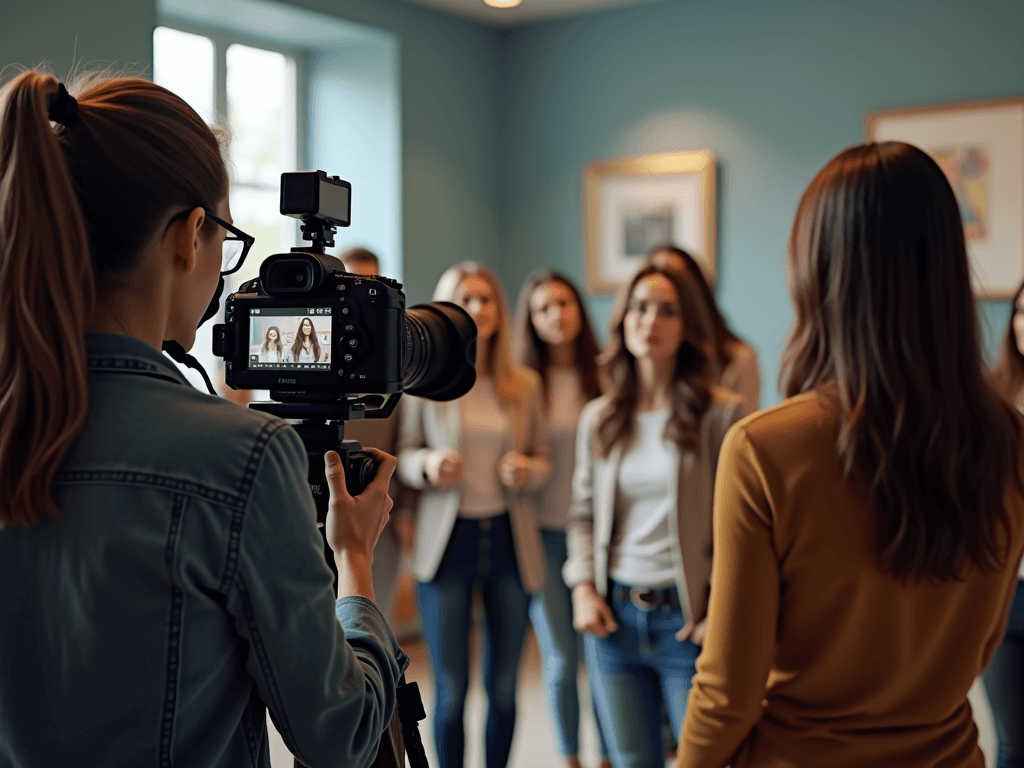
304, 349
867, 531
558, 486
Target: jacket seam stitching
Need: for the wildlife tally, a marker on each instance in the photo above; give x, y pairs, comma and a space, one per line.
265, 668
245, 488
173, 638
130, 477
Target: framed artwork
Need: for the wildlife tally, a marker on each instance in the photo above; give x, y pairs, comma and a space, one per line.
633, 204
980, 146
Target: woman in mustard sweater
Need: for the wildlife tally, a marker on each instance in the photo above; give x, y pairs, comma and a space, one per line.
867, 530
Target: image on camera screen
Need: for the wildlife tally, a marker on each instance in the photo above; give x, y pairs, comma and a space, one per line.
292, 338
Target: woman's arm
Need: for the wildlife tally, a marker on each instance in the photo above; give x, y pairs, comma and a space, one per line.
412, 448
732, 671
332, 701
579, 565
538, 453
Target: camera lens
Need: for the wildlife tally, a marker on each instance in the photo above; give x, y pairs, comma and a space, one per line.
440, 351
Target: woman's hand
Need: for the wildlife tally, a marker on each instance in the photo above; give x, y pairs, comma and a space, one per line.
514, 470
694, 632
354, 523
590, 613
444, 468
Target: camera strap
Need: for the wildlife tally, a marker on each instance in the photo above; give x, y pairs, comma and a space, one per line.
178, 354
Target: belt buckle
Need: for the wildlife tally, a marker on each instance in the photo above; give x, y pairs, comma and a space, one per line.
641, 598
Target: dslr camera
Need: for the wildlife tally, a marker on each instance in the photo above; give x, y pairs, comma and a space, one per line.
331, 346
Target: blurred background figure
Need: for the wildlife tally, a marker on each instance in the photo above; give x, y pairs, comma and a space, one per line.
639, 534
382, 434
360, 261
868, 530
475, 459
553, 336
735, 360
1004, 678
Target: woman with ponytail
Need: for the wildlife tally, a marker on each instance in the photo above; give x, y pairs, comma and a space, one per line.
159, 555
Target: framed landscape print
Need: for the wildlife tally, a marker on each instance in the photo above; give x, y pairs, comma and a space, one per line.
980, 147
633, 204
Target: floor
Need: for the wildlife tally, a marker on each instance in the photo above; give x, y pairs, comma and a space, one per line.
535, 745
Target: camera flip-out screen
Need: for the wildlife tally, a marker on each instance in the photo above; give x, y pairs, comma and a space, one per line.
290, 338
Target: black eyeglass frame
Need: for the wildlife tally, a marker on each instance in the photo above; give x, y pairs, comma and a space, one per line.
246, 240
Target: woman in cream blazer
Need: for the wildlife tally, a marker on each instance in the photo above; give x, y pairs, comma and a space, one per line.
639, 535
592, 515
475, 460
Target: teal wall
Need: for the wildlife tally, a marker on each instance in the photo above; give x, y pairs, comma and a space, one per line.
60, 33
448, 70
496, 126
775, 89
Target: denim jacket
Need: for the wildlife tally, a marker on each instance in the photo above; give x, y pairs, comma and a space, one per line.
181, 592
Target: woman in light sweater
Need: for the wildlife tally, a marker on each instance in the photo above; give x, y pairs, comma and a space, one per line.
553, 336
639, 531
868, 530
735, 359
475, 459
1004, 678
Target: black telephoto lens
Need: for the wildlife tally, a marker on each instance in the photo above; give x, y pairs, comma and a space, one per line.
440, 351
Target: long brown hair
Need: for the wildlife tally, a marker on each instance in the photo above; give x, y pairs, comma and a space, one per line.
510, 379
531, 351
726, 339
278, 346
1008, 376
694, 371
300, 341
885, 319
78, 204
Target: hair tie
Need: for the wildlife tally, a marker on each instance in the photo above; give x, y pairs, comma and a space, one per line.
64, 107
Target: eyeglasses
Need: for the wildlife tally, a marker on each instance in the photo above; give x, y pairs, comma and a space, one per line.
236, 245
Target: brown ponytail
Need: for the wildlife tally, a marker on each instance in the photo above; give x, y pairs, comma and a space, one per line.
77, 206
46, 296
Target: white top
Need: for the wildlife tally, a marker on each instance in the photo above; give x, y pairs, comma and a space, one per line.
486, 437
563, 414
270, 355
641, 546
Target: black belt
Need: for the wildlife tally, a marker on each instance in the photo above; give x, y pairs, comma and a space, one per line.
645, 598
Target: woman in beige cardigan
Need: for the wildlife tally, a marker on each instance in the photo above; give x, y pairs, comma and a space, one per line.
475, 459
639, 533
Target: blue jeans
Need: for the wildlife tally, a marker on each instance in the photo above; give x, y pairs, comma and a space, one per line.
1004, 684
479, 552
551, 616
634, 672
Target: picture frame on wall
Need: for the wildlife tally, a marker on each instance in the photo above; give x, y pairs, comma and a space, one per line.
980, 147
633, 204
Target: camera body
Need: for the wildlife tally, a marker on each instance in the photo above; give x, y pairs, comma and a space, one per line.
332, 346
312, 333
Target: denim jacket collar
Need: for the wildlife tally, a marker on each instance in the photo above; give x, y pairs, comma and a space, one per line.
116, 353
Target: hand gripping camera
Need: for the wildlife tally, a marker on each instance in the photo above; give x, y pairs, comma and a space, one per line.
332, 346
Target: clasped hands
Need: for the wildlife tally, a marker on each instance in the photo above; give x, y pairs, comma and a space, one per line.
445, 468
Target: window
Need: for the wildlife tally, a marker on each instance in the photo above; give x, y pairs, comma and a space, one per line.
251, 92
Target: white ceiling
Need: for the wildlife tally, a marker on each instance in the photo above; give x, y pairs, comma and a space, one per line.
528, 11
